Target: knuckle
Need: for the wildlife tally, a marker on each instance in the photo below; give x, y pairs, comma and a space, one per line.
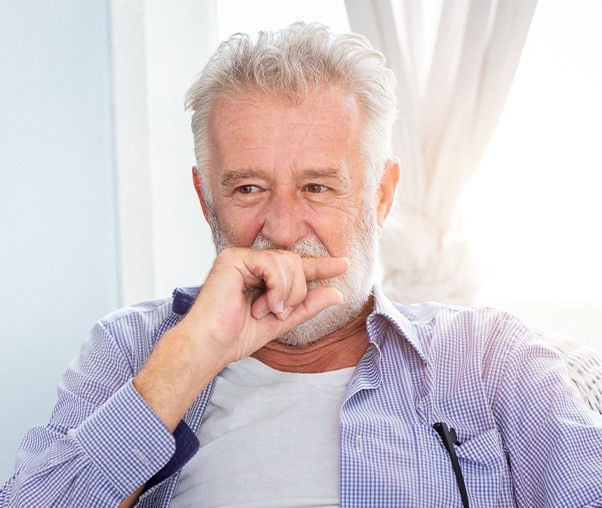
302, 292
273, 257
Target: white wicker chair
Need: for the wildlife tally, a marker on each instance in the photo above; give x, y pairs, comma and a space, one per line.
584, 366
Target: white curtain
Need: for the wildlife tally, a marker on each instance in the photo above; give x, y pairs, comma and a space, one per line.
450, 103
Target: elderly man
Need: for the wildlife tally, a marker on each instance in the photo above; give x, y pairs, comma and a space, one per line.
288, 379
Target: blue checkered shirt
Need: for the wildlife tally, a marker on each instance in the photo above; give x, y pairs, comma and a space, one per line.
524, 436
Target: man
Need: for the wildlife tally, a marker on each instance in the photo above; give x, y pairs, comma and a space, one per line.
289, 379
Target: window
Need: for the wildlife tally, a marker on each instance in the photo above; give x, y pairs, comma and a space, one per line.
532, 210
251, 16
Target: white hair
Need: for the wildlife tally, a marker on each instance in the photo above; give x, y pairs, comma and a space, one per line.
289, 64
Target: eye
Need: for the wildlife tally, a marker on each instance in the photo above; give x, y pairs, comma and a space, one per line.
315, 188
248, 189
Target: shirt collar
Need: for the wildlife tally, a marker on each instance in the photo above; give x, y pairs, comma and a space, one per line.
399, 316
384, 310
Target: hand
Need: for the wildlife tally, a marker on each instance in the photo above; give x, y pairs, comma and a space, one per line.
251, 297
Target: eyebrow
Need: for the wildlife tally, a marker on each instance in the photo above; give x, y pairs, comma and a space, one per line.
323, 173
234, 175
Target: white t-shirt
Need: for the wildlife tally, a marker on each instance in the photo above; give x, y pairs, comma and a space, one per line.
268, 439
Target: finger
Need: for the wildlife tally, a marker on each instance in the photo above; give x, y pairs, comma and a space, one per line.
324, 268
284, 276
300, 271
276, 274
282, 295
260, 308
317, 300
265, 270
298, 288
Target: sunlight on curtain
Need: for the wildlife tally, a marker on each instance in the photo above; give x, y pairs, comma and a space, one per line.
446, 121
533, 209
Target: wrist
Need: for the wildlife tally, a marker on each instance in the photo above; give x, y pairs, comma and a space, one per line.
178, 370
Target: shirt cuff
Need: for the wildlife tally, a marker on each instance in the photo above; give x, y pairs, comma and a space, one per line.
187, 444
126, 440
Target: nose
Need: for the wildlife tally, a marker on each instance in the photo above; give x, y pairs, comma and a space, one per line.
284, 220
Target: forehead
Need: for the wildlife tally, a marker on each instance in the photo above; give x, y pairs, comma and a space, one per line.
324, 124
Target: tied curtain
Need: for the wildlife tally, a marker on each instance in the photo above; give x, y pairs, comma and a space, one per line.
450, 102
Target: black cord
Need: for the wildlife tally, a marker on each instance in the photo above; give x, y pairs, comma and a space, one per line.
449, 441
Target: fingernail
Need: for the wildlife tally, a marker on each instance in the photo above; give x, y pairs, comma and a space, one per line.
262, 314
286, 313
280, 307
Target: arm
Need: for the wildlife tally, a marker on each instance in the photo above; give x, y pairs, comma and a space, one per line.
96, 448
553, 440
110, 433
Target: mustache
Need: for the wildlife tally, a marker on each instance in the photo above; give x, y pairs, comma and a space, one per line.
307, 247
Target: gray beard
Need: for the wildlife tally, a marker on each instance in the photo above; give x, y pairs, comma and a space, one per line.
355, 284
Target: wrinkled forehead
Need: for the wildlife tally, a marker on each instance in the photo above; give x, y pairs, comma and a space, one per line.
325, 121
327, 105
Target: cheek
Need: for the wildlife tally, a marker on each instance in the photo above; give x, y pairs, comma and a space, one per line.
240, 226
336, 230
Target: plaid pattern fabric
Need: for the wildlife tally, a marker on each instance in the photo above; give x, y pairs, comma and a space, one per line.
525, 437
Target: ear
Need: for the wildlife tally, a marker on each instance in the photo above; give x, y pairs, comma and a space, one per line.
199, 192
386, 190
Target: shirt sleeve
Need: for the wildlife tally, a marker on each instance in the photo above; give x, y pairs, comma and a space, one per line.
553, 440
102, 441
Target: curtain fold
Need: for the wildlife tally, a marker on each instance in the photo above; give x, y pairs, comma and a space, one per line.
446, 121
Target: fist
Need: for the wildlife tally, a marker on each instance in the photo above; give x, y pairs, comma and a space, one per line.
252, 296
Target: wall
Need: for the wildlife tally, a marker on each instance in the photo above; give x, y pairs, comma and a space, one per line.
58, 253
97, 207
